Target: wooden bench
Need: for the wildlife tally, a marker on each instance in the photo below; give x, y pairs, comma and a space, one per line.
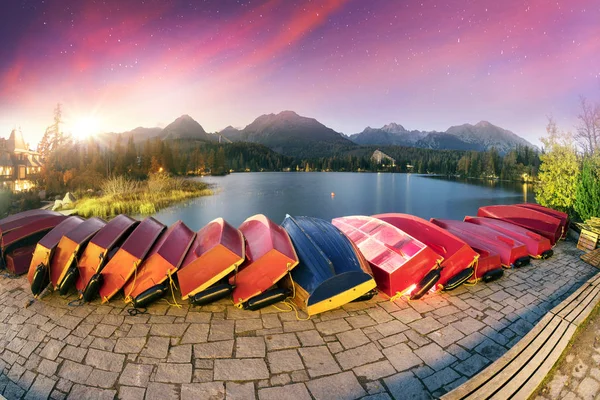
518, 373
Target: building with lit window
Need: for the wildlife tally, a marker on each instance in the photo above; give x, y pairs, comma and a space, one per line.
19, 166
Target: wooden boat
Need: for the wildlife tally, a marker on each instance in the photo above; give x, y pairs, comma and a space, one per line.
536, 221
96, 253
270, 256
63, 266
127, 259
488, 267
400, 263
537, 245
25, 236
39, 274
331, 271
459, 258
563, 217
217, 250
24, 218
511, 252
162, 262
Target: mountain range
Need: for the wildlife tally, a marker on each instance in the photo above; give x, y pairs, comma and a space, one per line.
293, 135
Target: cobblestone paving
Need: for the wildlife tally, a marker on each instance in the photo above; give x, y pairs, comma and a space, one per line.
373, 350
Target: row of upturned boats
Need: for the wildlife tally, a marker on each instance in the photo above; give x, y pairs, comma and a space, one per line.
319, 265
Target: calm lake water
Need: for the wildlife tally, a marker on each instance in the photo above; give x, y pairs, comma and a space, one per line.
276, 194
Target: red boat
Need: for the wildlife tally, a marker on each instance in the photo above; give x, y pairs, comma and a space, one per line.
459, 258
400, 263
125, 262
536, 221
96, 253
24, 218
38, 275
488, 268
564, 217
512, 252
161, 263
537, 245
217, 251
270, 256
63, 266
25, 237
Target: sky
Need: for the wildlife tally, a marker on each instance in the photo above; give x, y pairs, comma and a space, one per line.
428, 65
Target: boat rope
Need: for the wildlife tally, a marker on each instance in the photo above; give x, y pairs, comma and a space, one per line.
398, 295
289, 300
474, 264
76, 303
137, 311
173, 287
128, 298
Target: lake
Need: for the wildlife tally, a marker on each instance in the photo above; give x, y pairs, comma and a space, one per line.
276, 194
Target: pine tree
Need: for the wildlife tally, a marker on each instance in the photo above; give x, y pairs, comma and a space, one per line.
587, 200
559, 170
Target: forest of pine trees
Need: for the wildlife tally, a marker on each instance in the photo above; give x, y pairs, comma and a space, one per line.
83, 165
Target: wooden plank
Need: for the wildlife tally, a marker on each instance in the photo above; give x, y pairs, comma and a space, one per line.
493, 369
587, 310
583, 300
594, 280
501, 377
525, 369
540, 374
587, 240
568, 304
592, 258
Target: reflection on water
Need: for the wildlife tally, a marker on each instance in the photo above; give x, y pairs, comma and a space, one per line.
278, 193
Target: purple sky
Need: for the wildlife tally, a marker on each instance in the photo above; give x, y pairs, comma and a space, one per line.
424, 64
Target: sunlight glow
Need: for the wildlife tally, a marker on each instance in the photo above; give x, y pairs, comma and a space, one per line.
84, 127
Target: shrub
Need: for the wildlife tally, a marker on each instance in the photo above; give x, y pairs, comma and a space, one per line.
587, 193
119, 185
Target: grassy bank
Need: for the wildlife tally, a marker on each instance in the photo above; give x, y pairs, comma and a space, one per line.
123, 196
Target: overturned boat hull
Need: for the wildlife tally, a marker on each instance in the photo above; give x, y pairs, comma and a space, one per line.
95, 255
488, 267
399, 262
537, 245
68, 250
27, 235
536, 221
563, 217
125, 262
270, 256
39, 267
162, 262
217, 250
458, 256
24, 218
331, 271
511, 252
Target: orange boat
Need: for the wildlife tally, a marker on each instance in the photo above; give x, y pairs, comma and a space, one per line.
161, 263
217, 251
125, 262
270, 256
97, 251
63, 266
22, 240
38, 274
400, 263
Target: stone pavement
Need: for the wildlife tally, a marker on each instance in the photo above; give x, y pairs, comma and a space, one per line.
373, 350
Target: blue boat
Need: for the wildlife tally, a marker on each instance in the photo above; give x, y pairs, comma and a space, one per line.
331, 272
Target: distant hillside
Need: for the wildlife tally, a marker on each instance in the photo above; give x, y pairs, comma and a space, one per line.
291, 134
390, 134
480, 137
184, 127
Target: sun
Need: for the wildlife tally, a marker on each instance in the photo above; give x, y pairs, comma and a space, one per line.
84, 127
